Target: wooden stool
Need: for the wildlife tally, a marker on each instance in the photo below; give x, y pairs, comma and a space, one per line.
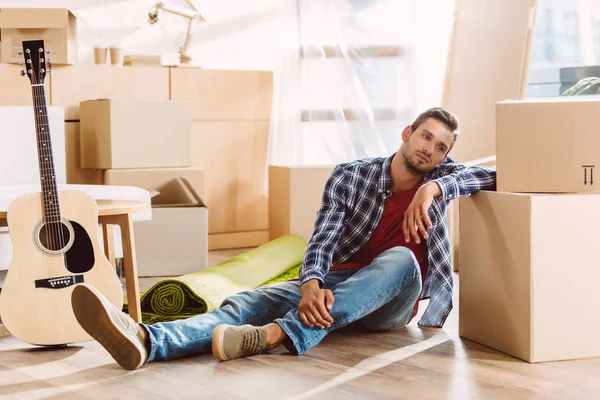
115, 212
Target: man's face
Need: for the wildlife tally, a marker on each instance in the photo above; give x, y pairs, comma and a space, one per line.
426, 148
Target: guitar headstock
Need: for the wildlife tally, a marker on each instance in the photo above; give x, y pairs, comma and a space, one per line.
35, 61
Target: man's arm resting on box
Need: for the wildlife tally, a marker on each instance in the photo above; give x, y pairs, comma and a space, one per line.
315, 302
457, 180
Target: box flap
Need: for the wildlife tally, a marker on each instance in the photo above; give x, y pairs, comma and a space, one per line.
177, 193
34, 18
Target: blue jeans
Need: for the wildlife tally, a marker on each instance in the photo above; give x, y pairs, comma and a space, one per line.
380, 296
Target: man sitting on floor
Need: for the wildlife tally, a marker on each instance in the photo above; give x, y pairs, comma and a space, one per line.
379, 246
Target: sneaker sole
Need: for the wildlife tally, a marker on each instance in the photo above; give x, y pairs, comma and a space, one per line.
95, 318
217, 342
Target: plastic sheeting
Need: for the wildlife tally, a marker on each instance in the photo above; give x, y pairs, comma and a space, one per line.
349, 75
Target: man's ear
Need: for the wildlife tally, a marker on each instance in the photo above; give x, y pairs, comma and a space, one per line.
406, 133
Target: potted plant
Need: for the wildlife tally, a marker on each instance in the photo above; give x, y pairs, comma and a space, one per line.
582, 86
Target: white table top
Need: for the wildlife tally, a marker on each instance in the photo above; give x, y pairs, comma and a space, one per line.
99, 192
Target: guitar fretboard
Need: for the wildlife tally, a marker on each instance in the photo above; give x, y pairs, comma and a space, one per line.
45, 156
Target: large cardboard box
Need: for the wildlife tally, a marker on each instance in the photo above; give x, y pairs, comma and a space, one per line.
529, 274
72, 84
233, 155
224, 94
295, 194
76, 174
175, 241
135, 134
156, 179
56, 26
548, 145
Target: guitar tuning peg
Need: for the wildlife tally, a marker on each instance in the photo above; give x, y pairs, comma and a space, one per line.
22, 63
49, 61
22, 73
20, 52
48, 51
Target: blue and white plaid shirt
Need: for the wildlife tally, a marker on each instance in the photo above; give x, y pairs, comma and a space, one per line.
352, 206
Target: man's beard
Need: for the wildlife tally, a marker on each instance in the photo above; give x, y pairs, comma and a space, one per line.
412, 168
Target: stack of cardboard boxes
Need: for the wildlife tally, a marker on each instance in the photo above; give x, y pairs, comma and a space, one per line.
230, 113
121, 128
529, 264
147, 144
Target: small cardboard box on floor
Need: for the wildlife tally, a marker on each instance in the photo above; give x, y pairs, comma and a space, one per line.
175, 241
135, 134
548, 145
295, 194
529, 274
56, 26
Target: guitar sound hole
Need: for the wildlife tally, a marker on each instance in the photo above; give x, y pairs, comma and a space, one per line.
54, 236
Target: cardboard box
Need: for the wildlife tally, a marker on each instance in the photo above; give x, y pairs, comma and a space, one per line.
175, 241
76, 174
156, 179
295, 195
529, 274
135, 134
15, 90
233, 155
73, 84
224, 94
56, 26
548, 145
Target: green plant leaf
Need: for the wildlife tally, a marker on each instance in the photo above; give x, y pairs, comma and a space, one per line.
583, 85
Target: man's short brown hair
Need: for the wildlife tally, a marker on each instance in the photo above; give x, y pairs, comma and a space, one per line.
445, 117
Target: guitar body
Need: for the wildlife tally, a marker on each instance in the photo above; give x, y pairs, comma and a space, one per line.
49, 260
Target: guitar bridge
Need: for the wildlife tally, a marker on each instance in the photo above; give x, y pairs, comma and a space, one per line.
59, 282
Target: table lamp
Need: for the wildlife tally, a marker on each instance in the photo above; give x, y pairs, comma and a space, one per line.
192, 15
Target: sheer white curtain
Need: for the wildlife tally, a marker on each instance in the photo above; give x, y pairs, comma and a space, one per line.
353, 74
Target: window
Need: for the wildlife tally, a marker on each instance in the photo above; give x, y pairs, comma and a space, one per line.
565, 46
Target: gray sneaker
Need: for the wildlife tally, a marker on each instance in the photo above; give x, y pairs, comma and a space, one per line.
116, 331
230, 342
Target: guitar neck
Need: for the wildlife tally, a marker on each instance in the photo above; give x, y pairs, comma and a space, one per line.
45, 156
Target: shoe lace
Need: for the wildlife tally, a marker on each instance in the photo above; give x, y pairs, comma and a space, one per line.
251, 341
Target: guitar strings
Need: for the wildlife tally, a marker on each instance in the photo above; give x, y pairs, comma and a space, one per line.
55, 240
57, 232
40, 152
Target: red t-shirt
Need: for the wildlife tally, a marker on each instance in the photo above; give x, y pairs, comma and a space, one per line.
388, 234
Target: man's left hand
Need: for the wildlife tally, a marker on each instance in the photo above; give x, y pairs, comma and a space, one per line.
416, 218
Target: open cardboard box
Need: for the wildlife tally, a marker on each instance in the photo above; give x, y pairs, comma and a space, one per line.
175, 241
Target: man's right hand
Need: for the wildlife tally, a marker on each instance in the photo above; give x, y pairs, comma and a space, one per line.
314, 305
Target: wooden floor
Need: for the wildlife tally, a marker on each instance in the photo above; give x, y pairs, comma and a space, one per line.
410, 364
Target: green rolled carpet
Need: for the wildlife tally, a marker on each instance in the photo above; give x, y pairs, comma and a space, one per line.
200, 292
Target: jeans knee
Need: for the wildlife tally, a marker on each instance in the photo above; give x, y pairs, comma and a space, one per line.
237, 302
401, 262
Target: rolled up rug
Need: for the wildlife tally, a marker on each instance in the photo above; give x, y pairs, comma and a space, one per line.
200, 292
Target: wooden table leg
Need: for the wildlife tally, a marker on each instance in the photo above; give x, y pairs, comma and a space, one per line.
108, 238
129, 262
3, 331
130, 267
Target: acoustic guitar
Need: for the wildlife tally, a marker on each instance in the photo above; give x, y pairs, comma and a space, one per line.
55, 241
